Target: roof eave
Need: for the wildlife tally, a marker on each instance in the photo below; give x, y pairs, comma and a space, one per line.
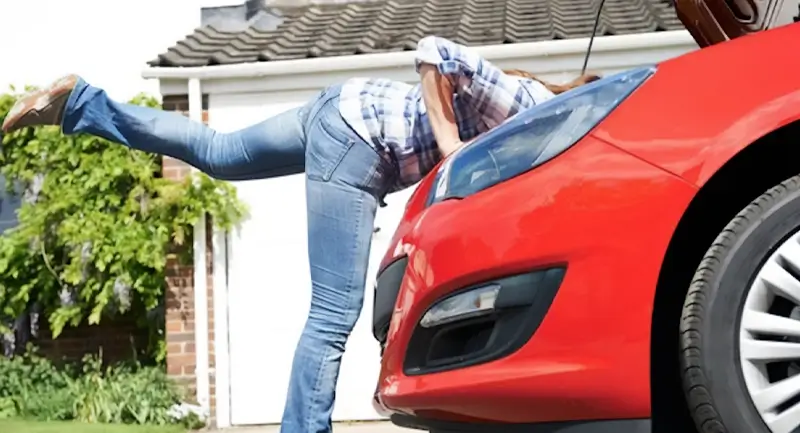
402, 59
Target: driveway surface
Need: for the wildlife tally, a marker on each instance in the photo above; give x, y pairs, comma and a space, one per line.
363, 427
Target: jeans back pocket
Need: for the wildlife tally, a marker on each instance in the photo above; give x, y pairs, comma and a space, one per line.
328, 144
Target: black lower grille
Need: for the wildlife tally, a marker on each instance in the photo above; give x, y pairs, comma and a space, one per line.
386, 289
521, 305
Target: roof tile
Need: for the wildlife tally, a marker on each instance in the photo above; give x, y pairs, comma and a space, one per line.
397, 25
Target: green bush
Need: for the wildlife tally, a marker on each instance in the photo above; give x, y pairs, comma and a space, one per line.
96, 227
34, 388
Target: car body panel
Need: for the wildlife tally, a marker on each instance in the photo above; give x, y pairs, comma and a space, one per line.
677, 124
452, 244
606, 208
416, 205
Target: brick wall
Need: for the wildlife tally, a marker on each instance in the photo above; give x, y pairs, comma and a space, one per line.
117, 340
181, 351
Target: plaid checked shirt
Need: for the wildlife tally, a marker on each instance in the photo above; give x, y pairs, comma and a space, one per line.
391, 115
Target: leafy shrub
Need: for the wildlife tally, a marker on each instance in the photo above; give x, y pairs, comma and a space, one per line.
34, 388
96, 226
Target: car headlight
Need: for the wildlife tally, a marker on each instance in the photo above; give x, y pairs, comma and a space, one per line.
533, 136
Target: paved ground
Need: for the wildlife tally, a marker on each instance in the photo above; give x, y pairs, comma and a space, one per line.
365, 427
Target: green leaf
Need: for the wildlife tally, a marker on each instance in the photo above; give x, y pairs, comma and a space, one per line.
103, 211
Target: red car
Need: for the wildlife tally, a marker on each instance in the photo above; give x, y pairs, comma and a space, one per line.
624, 258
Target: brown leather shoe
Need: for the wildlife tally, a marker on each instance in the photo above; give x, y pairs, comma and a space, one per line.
41, 107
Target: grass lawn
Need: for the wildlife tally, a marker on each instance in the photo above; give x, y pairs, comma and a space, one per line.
73, 427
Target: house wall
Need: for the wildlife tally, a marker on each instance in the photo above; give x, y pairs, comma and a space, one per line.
180, 293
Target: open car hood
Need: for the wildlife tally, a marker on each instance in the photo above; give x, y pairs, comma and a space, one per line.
714, 21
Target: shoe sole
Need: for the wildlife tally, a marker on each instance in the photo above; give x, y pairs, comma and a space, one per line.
38, 101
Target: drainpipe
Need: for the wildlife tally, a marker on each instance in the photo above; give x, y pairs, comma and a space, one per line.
200, 275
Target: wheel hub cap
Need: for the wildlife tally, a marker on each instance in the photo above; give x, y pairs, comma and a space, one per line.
769, 340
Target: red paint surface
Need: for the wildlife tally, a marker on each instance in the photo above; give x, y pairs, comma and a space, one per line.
701, 109
607, 208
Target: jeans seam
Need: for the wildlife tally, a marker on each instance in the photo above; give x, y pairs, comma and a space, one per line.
359, 221
315, 400
353, 291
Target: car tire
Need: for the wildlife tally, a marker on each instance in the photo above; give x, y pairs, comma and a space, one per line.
720, 378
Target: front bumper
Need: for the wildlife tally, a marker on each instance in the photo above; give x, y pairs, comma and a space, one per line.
606, 426
602, 214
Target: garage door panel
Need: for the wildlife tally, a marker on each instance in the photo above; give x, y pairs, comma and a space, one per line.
269, 297
270, 293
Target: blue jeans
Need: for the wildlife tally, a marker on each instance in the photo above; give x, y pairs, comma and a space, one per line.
345, 179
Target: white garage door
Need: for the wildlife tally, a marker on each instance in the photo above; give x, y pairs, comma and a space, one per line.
269, 286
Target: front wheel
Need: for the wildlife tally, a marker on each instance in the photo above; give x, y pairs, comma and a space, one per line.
740, 327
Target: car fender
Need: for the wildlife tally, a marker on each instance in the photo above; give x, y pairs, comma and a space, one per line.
701, 109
